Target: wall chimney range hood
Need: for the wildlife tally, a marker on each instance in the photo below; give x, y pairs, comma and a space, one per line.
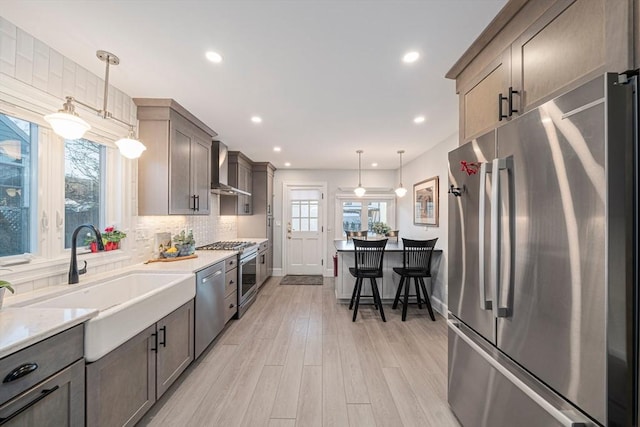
220, 171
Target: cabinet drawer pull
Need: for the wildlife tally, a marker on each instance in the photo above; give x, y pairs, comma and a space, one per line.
231, 305
155, 342
511, 93
231, 282
501, 99
20, 372
43, 394
163, 342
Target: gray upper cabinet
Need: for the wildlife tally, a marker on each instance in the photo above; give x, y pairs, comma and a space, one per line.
174, 174
240, 177
506, 71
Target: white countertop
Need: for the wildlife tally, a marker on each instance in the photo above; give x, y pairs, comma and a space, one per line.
21, 327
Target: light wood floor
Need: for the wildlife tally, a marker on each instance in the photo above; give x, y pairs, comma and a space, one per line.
296, 359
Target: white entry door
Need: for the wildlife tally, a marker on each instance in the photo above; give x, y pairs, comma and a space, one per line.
304, 230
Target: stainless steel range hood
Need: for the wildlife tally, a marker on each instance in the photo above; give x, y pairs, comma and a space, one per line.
220, 172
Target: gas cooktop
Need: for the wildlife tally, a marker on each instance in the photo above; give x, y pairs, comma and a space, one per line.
227, 246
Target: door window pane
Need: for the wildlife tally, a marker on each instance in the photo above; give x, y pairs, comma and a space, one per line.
83, 204
304, 215
17, 151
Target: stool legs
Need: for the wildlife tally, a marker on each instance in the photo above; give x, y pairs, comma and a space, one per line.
353, 295
376, 297
405, 303
357, 302
355, 298
419, 284
395, 301
426, 297
415, 282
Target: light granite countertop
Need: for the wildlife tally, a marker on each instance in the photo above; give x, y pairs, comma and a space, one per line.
22, 326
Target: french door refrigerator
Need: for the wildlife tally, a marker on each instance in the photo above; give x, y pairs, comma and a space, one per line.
542, 269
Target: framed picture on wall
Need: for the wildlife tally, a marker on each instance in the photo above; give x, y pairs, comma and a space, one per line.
425, 202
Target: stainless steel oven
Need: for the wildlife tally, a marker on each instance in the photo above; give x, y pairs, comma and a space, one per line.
247, 269
248, 285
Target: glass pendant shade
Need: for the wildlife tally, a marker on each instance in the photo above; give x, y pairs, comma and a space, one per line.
67, 125
130, 148
401, 191
360, 191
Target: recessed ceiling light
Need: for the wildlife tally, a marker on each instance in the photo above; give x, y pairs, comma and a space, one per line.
287, 164
419, 119
410, 57
277, 149
214, 57
375, 165
256, 119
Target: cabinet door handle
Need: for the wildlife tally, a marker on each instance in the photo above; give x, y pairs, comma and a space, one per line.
164, 336
20, 372
155, 342
43, 394
501, 99
511, 93
246, 208
193, 207
231, 282
198, 201
231, 305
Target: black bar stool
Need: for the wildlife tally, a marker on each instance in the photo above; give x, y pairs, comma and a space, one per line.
369, 255
416, 264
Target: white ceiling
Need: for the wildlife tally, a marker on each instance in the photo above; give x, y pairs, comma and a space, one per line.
325, 76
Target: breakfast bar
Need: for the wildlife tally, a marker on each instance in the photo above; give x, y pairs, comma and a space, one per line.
389, 282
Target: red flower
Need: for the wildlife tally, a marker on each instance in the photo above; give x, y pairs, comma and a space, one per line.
109, 229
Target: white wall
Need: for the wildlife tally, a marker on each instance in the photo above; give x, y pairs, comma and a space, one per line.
432, 163
36, 77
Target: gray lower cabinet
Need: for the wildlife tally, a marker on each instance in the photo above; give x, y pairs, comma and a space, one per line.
56, 402
44, 384
124, 384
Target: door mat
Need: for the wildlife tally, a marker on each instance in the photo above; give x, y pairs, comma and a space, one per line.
291, 279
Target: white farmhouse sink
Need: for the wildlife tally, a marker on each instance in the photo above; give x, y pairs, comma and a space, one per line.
128, 304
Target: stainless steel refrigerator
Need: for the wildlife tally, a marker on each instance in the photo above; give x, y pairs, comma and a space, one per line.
542, 268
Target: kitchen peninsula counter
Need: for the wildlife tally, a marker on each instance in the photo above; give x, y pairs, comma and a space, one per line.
388, 284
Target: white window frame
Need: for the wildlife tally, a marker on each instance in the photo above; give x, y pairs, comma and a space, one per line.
25, 102
343, 197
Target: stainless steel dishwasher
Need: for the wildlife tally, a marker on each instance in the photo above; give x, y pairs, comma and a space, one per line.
210, 305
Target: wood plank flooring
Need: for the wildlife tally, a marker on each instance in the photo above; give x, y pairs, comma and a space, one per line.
296, 359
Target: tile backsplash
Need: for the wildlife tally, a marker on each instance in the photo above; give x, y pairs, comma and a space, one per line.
206, 229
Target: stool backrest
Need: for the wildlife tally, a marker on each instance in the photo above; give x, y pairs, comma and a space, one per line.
352, 234
369, 254
417, 254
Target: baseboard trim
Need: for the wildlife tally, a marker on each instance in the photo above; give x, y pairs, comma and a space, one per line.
439, 306
277, 272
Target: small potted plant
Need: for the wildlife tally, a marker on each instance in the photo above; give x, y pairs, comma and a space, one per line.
185, 243
380, 228
110, 239
4, 285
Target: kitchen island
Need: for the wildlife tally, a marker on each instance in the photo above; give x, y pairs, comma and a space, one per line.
388, 284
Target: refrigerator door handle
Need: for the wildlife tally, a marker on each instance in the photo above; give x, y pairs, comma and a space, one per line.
564, 417
485, 168
496, 236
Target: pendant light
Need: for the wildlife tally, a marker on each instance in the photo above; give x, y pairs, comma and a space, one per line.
401, 191
69, 125
360, 190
